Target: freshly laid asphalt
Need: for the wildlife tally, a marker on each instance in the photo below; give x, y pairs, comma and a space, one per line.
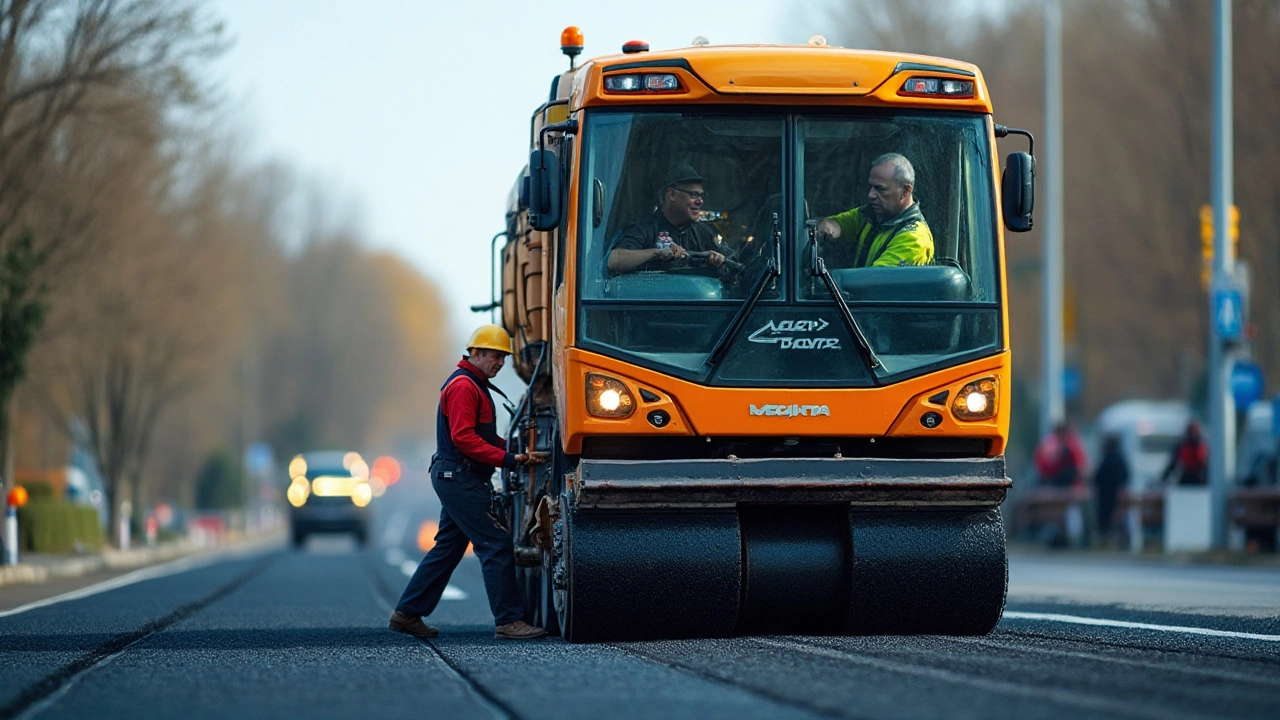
272, 632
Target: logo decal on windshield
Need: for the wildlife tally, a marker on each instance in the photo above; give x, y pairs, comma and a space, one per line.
796, 335
790, 410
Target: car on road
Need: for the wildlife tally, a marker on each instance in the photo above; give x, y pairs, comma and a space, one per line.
329, 492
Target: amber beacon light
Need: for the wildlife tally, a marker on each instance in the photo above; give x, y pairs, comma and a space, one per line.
571, 42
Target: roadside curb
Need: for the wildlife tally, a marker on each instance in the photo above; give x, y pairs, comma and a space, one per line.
110, 559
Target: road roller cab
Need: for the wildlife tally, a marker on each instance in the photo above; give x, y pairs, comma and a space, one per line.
805, 436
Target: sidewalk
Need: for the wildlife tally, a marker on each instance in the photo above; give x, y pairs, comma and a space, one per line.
34, 568
1024, 548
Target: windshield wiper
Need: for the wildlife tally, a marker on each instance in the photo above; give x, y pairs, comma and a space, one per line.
818, 268
772, 269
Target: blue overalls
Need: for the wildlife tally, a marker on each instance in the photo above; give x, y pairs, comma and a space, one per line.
464, 490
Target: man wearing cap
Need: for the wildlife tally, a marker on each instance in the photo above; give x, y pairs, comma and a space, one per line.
468, 448
664, 240
889, 230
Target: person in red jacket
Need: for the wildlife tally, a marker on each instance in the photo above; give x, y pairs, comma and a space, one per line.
1190, 457
1059, 458
468, 449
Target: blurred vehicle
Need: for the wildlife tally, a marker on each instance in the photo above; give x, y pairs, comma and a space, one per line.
1148, 432
1256, 453
329, 492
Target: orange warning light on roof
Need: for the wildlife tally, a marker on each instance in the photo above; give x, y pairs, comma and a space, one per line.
571, 41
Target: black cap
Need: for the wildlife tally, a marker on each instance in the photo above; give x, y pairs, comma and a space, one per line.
682, 173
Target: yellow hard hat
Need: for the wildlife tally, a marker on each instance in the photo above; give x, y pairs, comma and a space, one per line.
490, 337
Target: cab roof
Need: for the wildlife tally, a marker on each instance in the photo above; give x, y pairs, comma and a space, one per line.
760, 71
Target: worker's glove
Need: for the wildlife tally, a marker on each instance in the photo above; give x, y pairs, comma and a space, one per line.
532, 458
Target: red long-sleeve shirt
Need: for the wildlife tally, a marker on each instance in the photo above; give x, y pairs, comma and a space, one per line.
462, 403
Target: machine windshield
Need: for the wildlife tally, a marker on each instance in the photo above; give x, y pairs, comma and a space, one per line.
683, 212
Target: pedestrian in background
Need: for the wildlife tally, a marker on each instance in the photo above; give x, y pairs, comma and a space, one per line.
1190, 457
468, 448
1111, 476
1060, 459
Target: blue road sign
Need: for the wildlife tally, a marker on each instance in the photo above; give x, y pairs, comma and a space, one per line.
1247, 383
1072, 382
1228, 313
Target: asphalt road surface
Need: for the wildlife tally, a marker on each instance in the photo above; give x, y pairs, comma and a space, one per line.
274, 633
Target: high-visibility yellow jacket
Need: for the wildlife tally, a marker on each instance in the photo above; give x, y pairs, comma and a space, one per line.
902, 240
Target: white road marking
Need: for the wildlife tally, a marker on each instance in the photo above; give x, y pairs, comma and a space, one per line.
1078, 620
191, 562
394, 531
395, 556
451, 592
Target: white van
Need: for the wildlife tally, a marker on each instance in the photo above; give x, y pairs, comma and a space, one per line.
1148, 431
1257, 443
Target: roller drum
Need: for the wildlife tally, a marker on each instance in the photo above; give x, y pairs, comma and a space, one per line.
645, 575
927, 572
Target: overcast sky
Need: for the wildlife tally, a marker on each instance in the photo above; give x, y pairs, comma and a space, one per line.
417, 113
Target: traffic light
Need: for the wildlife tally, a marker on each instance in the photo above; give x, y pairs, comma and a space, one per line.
1206, 239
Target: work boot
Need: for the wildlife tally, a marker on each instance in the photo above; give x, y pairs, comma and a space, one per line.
410, 625
519, 630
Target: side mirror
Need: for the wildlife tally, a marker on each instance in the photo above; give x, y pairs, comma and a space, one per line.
522, 200
1018, 191
544, 190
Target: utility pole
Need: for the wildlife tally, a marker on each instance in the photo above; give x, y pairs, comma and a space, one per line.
1052, 408
1224, 299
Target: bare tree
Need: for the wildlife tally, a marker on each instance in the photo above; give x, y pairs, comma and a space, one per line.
61, 60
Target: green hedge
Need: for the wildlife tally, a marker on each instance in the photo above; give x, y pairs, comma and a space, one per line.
55, 526
38, 490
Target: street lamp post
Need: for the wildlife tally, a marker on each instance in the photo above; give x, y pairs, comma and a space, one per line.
1223, 304
1052, 405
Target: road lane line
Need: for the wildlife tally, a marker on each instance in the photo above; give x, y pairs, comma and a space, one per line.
173, 567
1066, 697
451, 592
393, 533
1079, 620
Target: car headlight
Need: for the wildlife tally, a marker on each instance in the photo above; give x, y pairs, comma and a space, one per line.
361, 494
608, 397
298, 491
976, 400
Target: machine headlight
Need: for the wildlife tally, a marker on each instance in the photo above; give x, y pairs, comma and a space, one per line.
976, 400
608, 397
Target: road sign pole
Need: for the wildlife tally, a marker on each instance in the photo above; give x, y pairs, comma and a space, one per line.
1052, 405
1222, 426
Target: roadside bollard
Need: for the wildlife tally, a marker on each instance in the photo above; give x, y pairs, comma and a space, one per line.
122, 536
17, 498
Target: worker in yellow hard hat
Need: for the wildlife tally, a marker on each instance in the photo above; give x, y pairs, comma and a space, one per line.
468, 449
